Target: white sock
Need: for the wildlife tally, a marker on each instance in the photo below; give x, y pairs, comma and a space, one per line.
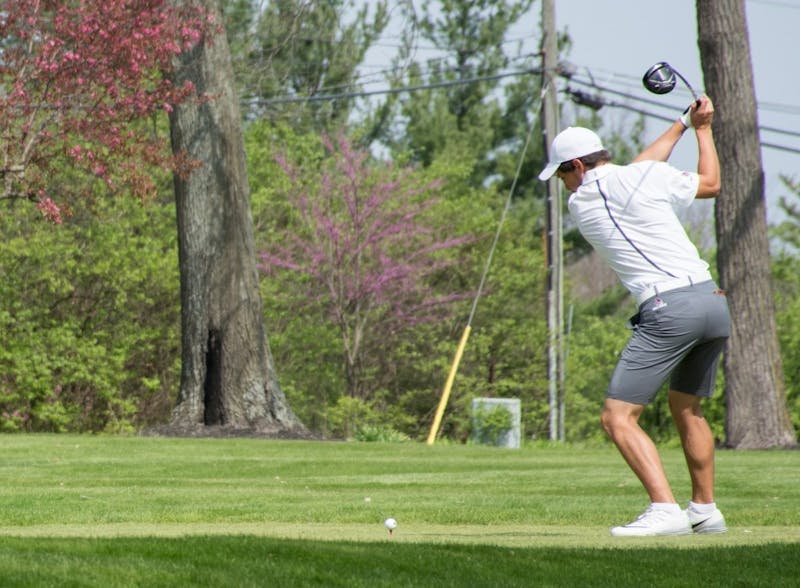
666, 506
703, 508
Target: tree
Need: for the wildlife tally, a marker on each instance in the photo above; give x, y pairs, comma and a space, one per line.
362, 238
76, 76
756, 399
89, 312
227, 375
405, 369
467, 115
301, 49
786, 271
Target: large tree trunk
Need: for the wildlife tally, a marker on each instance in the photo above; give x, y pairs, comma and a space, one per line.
227, 376
757, 416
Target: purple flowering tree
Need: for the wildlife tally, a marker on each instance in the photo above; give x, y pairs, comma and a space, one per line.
364, 235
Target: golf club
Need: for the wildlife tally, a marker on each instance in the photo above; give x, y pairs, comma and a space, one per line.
660, 79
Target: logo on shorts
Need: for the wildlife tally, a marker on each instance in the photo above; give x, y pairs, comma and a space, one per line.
658, 303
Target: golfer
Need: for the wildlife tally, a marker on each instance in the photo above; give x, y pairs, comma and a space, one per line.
626, 213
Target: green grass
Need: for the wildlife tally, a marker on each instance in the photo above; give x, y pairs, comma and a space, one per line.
126, 511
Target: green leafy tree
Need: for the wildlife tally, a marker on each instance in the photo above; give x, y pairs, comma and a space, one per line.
89, 314
505, 355
786, 276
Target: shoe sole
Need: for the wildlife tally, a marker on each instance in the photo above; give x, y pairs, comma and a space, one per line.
711, 531
662, 534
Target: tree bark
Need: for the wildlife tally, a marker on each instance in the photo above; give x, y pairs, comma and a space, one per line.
757, 416
227, 376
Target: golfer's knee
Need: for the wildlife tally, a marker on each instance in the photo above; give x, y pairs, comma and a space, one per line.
615, 421
610, 421
684, 406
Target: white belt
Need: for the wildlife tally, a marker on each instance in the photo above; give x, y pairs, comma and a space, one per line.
672, 284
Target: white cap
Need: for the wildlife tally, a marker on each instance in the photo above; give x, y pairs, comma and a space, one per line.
569, 144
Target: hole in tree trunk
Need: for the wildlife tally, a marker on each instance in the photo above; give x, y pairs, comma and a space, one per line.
213, 384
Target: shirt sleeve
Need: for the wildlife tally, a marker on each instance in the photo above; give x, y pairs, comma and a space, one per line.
683, 187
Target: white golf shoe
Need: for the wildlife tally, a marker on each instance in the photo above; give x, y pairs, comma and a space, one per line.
713, 522
655, 521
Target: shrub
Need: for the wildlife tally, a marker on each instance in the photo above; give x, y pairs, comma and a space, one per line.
89, 313
489, 424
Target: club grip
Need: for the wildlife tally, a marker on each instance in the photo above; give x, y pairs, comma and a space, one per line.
697, 102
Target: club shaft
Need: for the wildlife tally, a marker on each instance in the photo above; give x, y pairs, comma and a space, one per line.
688, 85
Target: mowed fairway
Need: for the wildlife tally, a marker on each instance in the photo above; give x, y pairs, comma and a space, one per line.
129, 511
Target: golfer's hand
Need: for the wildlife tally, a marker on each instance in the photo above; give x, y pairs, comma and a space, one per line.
702, 115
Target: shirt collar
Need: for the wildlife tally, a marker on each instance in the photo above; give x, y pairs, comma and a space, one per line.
598, 173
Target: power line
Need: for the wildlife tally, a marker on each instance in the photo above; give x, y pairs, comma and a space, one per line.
774, 3
762, 106
571, 77
596, 102
779, 131
363, 94
381, 70
591, 101
777, 107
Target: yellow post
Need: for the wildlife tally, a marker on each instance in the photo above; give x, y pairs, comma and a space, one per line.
437, 420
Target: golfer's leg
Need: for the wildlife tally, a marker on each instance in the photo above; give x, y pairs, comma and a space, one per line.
697, 441
621, 421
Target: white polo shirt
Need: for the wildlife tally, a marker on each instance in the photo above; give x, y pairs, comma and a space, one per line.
626, 213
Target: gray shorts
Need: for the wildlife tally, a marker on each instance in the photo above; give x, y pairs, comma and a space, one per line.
678, 334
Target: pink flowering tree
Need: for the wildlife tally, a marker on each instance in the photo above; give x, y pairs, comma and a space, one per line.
76, 76
363, 235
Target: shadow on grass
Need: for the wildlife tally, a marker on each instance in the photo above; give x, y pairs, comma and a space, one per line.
259, 561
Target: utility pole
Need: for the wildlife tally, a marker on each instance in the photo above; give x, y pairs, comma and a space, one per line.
554, 242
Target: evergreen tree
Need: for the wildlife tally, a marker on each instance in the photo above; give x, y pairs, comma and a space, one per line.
482, 101
302, 50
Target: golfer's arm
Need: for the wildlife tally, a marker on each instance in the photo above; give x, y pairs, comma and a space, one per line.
707, 164
661, 148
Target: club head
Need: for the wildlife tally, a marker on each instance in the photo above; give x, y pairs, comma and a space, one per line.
660, 78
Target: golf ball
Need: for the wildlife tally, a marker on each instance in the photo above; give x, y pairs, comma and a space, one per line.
390, 524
